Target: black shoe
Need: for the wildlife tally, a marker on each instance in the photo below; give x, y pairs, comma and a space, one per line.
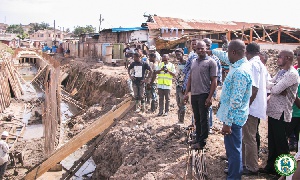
266, 171
197, 146
248, 172
160, 114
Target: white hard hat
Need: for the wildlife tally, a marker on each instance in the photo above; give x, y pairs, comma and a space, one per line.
5, 134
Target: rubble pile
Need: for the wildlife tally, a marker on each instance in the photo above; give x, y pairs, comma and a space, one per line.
272, 62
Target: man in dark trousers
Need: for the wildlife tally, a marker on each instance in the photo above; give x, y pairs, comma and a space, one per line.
126, 55
202, 83
138, 80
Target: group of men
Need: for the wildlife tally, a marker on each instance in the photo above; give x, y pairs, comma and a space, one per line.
248, 95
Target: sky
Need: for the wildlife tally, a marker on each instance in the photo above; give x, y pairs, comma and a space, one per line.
129, 13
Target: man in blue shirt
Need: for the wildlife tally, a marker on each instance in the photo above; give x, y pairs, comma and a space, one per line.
234, 106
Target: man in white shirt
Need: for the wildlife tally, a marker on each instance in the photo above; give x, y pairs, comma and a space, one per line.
4, 150
279, 109
257, 110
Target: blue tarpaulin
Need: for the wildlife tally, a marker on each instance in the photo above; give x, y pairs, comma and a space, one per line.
128, 29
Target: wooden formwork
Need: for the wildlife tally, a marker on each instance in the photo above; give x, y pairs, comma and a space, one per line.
80, 139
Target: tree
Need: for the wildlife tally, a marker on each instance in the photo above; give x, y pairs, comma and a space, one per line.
34, 27
15, 28
22, 36
67, 30
82, 30
39, 26
44, 25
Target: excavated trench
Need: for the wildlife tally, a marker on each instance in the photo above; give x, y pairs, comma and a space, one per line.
136, 147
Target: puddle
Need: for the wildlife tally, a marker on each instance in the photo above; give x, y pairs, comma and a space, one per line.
33, 131
27, 71
33, 93
88, 167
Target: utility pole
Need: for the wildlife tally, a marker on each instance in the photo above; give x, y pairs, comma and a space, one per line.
100, 20
54, 34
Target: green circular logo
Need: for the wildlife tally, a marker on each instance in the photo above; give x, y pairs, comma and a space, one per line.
285, 164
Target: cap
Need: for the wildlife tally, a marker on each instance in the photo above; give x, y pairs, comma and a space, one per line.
4, 133
152, 48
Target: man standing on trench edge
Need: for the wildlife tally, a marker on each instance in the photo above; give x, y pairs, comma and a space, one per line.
234, 106
138, 78
202, 83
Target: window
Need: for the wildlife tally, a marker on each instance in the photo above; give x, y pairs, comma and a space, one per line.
49, 35
42, 35
32, 35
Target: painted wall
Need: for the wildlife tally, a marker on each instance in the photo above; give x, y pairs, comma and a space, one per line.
141, 35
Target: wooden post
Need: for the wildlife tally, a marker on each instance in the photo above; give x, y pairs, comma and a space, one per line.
251, 34
80, 139
264, 35
279, 34
229, 35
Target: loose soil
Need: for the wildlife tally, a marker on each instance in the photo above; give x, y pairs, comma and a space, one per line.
140, 146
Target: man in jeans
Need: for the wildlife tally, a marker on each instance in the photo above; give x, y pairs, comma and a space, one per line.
165, 73
234, 105
137, 78
179, 82
202, 83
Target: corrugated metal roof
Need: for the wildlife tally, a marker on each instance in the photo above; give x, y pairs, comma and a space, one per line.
192, 24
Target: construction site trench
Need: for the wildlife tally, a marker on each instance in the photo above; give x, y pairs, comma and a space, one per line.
99, 136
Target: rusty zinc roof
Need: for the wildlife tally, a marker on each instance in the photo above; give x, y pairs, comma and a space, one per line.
196, 24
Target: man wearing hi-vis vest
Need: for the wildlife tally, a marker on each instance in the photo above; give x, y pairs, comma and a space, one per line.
165, 73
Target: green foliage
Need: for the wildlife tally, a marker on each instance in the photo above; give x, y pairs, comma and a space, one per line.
39, 26
23, 35
6, 48
15, 28
10, 50
44, 25
82, 30
68, 30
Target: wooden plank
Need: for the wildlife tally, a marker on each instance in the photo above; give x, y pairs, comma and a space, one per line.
267, 33
278, 36
251, 35
256, 34
6, 91
2, 100
271, 33
38, 74
13, 79
88, 153
80, 139
291, 35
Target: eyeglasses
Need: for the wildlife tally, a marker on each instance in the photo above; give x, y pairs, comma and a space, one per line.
280, 56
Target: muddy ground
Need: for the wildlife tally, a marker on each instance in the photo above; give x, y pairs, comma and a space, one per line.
140, 146
144, 146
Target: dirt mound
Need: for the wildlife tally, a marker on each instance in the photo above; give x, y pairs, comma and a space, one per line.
94, 87
135, 147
